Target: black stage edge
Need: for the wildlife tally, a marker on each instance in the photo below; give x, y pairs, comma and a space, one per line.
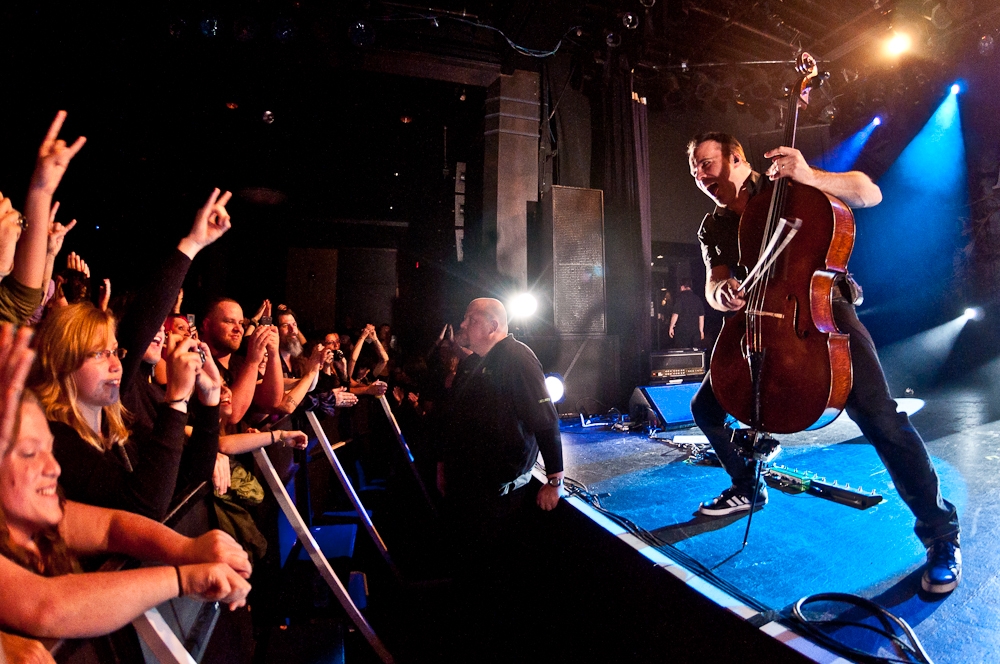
620, 600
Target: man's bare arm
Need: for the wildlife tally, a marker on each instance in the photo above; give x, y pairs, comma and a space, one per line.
853, 187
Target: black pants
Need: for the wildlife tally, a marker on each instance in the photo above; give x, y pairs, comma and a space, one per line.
897, 443
687, 337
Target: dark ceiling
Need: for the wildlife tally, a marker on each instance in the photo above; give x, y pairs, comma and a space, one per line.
172, 95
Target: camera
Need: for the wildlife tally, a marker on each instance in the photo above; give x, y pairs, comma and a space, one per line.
201, 354
338, 355
265, 320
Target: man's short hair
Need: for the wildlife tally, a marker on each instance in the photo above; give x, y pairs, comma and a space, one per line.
684, 283
727, 142
214, 304
286, 312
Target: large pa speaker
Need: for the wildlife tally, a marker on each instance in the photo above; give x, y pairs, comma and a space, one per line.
574, 220
663, 406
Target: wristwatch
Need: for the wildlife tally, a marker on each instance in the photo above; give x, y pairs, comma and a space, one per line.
554, 481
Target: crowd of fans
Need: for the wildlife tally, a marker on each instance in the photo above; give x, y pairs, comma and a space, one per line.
113, 410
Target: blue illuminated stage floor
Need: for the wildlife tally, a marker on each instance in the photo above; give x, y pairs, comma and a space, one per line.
801, 545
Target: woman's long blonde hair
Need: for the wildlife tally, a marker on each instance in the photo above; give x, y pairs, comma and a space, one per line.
63, 341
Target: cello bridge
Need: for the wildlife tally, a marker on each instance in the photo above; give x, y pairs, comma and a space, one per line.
758, 312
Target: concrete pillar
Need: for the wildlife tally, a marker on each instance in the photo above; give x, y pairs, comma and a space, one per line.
510, 173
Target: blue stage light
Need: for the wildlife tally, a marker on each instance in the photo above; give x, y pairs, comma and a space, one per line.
924, 198
842, 156
974, 313
956, 88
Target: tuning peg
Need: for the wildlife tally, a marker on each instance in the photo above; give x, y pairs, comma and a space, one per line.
835, 483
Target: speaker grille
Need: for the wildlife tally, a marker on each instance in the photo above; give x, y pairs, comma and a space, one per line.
577, 259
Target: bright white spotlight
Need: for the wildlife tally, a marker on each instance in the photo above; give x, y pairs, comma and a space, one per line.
974, 313
956, 88
877, 121
523, 305
554, 384
899, 43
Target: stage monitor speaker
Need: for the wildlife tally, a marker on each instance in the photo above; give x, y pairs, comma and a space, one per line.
575, 218
664, 406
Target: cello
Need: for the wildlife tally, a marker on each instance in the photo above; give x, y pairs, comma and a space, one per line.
780, 365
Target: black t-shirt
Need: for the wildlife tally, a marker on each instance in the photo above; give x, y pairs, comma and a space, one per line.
497, 405
689, 308
720, 234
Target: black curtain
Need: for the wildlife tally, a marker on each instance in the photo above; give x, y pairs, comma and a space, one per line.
622, 168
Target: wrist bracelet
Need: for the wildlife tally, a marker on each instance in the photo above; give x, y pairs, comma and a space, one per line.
180, 585
176, 401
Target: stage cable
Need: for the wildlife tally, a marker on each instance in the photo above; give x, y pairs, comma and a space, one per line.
910, 646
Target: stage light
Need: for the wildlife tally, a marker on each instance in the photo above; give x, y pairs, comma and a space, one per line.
899, 43
843, 155
986, 44
974, 313
955, 88
921, 191
522, 306
556, 388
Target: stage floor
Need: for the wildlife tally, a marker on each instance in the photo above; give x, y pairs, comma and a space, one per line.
802, 545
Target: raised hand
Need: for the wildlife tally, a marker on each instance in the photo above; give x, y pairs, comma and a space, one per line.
272, 339
10, 233
15, 362
263, 310
209, 380
57, 232
258, 344
177, 303
376, 389
105, 290
183, 365
317, 357
74, 262
210, 223
54, 157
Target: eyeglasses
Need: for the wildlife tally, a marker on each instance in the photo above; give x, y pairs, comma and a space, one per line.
103, 355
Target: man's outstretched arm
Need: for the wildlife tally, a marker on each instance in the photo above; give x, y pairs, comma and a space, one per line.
853, 187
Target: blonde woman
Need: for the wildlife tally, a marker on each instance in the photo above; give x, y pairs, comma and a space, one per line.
77, 377
42, 592
42, 533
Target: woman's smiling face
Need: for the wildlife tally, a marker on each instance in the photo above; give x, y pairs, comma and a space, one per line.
29, 477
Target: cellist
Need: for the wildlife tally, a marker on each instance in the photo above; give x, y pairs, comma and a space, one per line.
720, 169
